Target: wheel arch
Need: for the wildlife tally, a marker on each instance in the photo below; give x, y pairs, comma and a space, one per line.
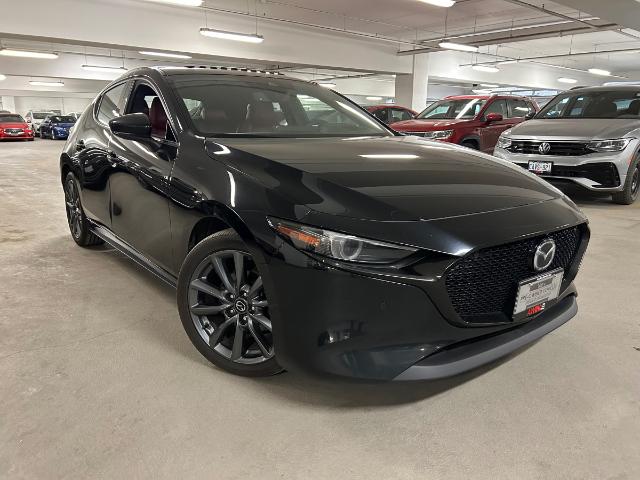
471, 138
66, 166
217, 217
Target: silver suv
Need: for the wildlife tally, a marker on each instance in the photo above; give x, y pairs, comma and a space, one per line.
590, 136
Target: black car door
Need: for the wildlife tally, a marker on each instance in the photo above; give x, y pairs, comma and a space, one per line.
91, 145
140, 181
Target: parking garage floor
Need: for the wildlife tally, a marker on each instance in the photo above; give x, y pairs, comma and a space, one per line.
98, 379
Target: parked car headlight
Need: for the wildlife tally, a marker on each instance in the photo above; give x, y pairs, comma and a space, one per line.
438, 135
616, 145
338, 245
504, 141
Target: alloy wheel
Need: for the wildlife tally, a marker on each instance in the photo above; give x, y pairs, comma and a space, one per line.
74, 210
229, 308
635, 182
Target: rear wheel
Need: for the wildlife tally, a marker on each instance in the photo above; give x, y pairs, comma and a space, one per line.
224, 308
629, 194
78, 224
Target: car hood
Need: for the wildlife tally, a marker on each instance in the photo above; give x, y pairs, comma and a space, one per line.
419, 125
384, 178
578, 128
13, 125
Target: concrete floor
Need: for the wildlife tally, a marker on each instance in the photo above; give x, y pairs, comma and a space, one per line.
98, 379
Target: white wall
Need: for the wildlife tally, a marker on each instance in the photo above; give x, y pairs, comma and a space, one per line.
65, 105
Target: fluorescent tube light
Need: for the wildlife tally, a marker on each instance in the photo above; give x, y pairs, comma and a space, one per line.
598, 71
104, 68
8, 52
489, 85
458, 46
327, 85
163, 54
186, 3
238, 37
2, 77
567, 80
39, 83
376, 99
440, 3
486, 68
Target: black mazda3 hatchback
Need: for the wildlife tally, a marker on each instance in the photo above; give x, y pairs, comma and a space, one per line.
302, 233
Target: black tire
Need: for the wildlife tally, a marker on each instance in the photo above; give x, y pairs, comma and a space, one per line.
629, 193
41, 134
78, 224
470, 144
220, 243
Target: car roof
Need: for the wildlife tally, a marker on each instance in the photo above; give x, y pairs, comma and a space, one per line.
206, 70
610, 88
483, 97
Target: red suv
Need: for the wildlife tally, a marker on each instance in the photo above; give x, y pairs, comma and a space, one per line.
475, 121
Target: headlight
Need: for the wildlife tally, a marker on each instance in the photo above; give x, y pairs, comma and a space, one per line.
438, 135
338, 245
616, 145
504, 141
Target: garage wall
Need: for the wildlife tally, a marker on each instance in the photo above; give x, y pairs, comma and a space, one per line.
65, 105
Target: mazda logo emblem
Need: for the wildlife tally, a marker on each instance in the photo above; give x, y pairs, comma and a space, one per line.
241, 306
544, 148
544, 254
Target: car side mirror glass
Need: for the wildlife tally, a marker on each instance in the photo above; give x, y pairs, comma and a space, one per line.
493, 117
132, 126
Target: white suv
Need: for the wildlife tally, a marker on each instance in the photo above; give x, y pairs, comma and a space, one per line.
589, 136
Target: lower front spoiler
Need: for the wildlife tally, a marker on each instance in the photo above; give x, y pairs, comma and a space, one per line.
458, 359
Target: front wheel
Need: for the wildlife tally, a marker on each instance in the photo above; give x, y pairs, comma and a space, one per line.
629, 194
224, 308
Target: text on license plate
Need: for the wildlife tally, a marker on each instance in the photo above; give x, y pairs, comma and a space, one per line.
534, 293
540, 167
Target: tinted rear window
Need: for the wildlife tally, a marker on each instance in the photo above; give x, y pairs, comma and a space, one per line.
11, 118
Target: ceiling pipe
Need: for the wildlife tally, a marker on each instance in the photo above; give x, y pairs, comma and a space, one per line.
550, 12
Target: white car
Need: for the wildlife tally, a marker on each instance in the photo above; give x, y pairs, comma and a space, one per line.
35, 117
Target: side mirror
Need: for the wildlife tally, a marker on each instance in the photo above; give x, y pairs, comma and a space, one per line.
493, 117
530, 115
132, 126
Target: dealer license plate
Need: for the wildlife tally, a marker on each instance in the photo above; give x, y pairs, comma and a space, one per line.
535, 294
540, 167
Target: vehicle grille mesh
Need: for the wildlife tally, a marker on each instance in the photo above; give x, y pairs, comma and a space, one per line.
482, 286
559, 149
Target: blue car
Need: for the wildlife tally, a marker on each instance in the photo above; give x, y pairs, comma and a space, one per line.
56, 126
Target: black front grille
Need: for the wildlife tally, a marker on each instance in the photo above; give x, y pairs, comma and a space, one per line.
559, 149
605, 173
14, 130
482, 286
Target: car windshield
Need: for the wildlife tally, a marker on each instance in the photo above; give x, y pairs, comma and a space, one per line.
596, 104
40, 115
11, 119
453, 109
63, 119
227, 105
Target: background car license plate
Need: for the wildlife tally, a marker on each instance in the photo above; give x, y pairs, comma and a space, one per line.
534, 293
540, 167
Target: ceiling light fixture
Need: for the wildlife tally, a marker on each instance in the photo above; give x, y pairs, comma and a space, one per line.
39, 83
2, 77
163, 54
458, 46
598, 71
489, 85
327, 85
104, 68
375, 99
9, 52
186, 3
440, 3
567, 80
482, 92
238, 37
486, 68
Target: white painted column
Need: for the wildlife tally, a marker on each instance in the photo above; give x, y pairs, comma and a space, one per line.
9, 103
411, 89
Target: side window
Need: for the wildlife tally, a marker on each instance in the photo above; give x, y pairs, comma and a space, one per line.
497, 106
145, 100
398, 114
519, 108
111, 103
381, 114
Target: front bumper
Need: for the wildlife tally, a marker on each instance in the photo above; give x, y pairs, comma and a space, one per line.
601, 172
331, 321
